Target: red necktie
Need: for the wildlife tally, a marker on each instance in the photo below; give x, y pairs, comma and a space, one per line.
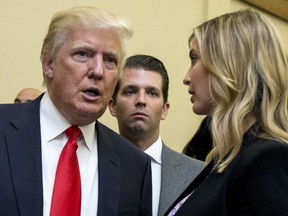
66, 198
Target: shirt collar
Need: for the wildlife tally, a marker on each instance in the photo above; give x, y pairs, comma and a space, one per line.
89, 133
155, 151
54, 123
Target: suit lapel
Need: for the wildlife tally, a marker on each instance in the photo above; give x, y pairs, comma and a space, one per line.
109, 173
197, 181
173, 169
23, 142
172, 179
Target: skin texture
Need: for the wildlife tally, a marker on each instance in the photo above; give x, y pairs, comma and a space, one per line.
83, 74
139, 106
26, 95
197, 79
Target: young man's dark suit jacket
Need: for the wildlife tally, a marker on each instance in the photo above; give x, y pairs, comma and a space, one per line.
124, 171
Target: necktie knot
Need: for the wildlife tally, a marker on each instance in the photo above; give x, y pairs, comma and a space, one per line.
73, 132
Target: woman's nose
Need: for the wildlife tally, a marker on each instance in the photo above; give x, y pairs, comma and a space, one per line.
186, 80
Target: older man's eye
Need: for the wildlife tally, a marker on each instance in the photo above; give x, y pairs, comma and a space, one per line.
81, 56
111, 62
82, 53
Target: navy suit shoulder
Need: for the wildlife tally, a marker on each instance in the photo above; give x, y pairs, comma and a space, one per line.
124, 176
20, 114
118, 142
8, 112
122, 147
20, 160
8, 204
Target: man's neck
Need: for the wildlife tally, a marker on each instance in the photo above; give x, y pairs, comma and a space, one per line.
143, 142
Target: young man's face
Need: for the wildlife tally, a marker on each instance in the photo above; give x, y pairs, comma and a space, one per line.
139, 106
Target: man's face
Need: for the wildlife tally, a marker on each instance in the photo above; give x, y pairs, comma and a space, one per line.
83, 74
139, 104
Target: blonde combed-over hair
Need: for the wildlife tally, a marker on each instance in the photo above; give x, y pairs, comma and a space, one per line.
65, 22
248, 67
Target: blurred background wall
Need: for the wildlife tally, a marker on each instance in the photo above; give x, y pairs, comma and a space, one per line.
161, 28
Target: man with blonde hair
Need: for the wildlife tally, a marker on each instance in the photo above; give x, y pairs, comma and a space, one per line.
41, 171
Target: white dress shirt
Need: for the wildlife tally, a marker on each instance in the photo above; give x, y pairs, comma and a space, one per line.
53, 139
155, 152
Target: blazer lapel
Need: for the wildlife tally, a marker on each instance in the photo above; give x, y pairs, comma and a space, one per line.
197, 181
172, 179
109, 173
173, 169
24, 152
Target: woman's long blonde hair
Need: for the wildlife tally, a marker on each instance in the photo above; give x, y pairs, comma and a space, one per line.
248, 77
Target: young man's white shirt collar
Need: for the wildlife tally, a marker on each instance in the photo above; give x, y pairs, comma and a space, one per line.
155, 152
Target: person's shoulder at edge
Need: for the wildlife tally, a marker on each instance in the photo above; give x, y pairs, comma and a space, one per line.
181, 157
263, 149
9, 111
119, 141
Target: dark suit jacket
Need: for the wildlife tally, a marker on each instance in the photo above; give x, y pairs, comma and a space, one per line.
124, 171
255, 183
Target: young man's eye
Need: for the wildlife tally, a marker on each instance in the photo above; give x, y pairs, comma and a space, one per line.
128, 92
153, 93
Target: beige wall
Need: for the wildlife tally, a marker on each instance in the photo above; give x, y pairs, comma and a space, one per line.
161, 28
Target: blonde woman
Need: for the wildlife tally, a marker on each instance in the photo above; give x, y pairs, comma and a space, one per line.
239, 77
